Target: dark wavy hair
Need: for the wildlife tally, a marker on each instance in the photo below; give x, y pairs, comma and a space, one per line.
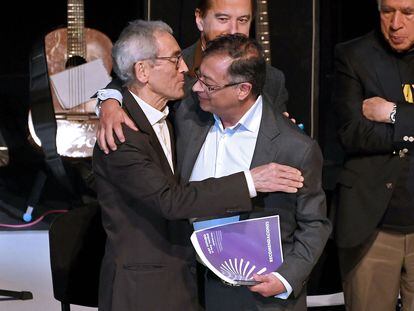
205, 5
248, 60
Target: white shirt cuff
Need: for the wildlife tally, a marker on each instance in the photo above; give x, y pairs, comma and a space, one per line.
289, 288
104, 94
250, 184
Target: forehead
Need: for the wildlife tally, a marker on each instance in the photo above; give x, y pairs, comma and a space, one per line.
166, 42
398, 4
231, 7
215, 66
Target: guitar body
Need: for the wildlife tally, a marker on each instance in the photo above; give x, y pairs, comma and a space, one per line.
97, 44
76, 127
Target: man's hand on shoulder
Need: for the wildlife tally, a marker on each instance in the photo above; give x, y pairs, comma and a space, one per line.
273, 177
377, 109
270, 285
111, 118
286, 114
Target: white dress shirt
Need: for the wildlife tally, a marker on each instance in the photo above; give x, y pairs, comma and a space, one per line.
230, 150
157, 120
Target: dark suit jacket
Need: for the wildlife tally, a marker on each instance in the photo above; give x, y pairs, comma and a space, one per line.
365, 67
149, 263
304, 226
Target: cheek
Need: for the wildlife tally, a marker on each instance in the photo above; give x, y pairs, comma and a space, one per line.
245, 30
411, 32
214, 30
384, 28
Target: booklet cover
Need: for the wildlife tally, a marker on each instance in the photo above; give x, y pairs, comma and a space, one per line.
236, 251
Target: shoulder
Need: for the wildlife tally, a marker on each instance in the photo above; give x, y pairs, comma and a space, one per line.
295, 146
358, 45
274, 73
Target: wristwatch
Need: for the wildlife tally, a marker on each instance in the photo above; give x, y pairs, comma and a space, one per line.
393, 113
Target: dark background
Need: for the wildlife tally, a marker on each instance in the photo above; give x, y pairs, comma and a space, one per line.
291, 40
291, 27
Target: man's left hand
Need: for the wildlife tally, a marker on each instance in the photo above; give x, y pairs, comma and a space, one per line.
377, 109
270, 285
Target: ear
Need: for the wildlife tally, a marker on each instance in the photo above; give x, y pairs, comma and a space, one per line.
244, 90
141, 71
199, 20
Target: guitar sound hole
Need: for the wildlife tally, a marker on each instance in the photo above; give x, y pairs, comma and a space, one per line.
75, 61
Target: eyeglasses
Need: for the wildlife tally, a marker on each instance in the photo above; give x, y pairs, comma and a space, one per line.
173, 59
213, 88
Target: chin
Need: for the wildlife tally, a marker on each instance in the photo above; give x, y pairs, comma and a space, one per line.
204, 107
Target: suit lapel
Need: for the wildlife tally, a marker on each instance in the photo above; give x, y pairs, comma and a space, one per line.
266, 149
197, 134
172, 141
387, 73
144, 126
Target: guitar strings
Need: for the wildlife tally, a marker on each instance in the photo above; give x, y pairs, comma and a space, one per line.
78, 49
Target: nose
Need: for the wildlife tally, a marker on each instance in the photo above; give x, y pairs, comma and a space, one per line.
182, 66
197, 87
234, 27
396, 20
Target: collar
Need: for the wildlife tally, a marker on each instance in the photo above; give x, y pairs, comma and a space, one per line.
250, 121
153, 115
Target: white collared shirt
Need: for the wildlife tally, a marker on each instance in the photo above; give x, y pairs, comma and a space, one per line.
157, 120
230, 150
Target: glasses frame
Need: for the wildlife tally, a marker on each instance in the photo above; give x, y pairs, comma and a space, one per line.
177, 60
213, 88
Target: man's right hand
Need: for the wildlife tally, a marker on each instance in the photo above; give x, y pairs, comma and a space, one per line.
273, 177
110, 120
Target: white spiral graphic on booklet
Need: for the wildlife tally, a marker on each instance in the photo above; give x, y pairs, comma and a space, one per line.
240, 269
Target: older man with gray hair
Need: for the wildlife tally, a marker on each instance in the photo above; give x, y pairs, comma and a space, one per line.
375, 218
149, 263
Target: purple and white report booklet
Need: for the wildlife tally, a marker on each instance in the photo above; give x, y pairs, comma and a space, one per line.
236, 251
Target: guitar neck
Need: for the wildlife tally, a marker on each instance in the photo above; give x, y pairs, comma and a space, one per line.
262, 28
76, 25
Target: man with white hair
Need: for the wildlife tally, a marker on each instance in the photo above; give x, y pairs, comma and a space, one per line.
375, 215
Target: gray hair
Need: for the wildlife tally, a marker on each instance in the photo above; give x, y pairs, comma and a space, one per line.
136, 42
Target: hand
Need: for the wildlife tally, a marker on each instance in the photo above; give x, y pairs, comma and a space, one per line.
274, 177
111, 118
377, 109
286, 114
270, 285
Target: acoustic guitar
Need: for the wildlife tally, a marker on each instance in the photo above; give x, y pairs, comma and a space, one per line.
66, 48
262, 28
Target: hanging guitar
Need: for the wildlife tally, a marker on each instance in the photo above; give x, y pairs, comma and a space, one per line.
67, 50
262, 28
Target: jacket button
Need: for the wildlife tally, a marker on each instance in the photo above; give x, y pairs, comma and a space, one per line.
405, 138
388, 185
410, 139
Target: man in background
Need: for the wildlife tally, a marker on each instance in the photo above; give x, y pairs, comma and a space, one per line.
375, 216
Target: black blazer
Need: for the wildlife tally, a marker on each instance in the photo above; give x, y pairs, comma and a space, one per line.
149, 263
304, 225
365, 67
